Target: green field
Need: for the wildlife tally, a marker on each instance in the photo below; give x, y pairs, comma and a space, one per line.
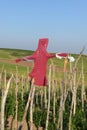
12, 54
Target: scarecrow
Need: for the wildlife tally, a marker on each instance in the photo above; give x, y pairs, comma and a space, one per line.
41, 57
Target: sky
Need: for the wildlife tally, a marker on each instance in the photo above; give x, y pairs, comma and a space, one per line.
63, 22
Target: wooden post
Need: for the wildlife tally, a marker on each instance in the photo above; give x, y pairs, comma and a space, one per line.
83, 89
3, 101
27, 104
54, 93
16, 93
48, 110
60, 120
31, 108
30, 97
45, 97
22, 87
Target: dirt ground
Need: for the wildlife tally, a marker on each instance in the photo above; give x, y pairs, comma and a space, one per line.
12, 124
22, 63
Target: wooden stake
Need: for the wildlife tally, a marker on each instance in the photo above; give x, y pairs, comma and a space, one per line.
48, 110
3, 102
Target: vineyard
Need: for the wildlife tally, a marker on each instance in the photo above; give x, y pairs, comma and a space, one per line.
61, 105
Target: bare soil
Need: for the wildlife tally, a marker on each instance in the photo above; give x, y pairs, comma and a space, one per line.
22, 63
13, 125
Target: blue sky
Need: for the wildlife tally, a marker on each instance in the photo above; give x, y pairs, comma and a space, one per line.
64, 22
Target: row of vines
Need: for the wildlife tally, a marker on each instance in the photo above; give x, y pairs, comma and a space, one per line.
61, 105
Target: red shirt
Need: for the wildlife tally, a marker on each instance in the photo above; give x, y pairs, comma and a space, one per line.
40, 57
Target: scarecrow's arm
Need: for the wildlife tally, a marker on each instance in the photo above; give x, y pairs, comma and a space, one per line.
62, 55
31, 57
51, 55
65, 55
58, 55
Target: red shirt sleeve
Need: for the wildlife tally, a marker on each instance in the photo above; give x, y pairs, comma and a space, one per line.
51, 55
31, 57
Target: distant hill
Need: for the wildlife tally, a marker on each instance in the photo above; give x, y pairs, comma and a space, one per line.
6, 53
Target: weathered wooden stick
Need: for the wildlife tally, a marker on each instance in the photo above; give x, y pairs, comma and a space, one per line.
48, 109
70, 117
45, 97
16, 93
74, 89
22, 87
26, 108
60, 121
54, 94
28, 102
3, 102
83, 89
31, 109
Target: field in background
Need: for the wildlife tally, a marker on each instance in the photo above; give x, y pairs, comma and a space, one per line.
8, 56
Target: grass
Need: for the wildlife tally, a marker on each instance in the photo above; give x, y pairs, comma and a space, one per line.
11, 68
4, 54
12, 53
15, 53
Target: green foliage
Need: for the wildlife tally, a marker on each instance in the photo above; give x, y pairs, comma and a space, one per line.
51, 126
39, 117
79, 121
15, 54
20, 107
10, 105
